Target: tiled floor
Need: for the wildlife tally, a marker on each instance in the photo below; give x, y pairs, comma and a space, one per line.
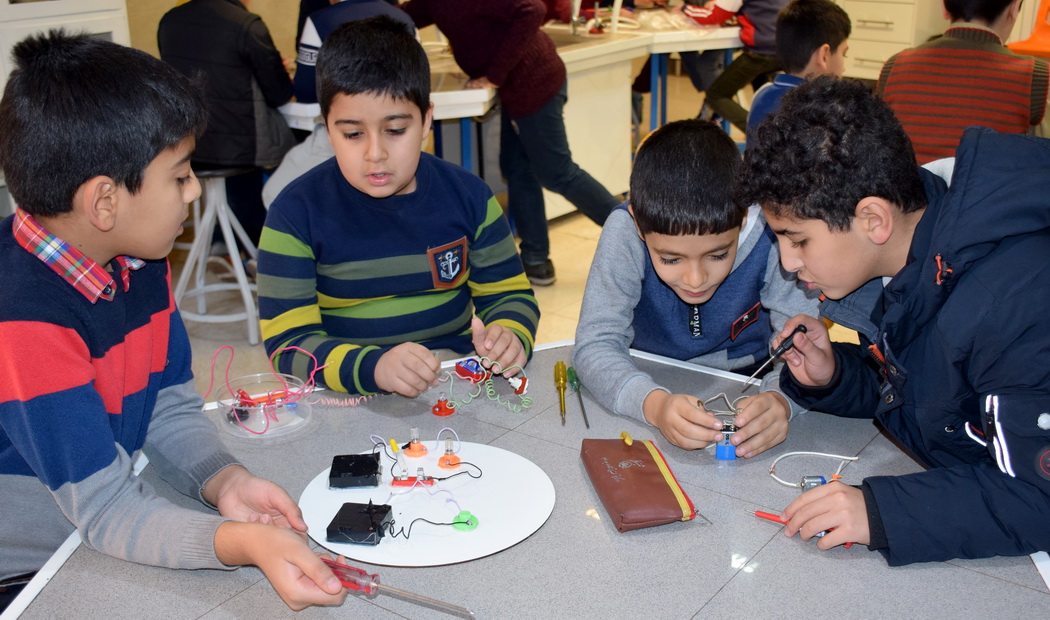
573, 240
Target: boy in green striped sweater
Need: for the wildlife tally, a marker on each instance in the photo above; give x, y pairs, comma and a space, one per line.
382, 255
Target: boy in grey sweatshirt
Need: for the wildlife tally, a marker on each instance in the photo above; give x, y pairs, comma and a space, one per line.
684, 273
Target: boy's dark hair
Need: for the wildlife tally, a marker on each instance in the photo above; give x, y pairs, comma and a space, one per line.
803, 26
76, 107
377, 56
683, 178
831, 144
968, 10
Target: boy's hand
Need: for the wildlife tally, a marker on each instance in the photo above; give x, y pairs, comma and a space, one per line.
481, 82
761, 424
297, 574
833, 506
408, 369
811, 360
500, 345
682, 419
242, 496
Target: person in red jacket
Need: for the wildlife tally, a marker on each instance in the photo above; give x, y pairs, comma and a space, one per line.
758, 28
499, 44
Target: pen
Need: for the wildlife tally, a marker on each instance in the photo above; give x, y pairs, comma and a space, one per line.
782, 349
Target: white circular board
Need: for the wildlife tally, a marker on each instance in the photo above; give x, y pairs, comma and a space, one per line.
511, 500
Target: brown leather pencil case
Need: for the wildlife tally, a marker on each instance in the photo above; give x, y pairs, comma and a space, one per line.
635, 483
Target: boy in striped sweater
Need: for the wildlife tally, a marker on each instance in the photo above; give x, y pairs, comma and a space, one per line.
382, 255
95, 143
965, 77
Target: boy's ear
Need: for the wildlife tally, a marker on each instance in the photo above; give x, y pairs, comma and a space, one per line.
874, 218
428, 119
630, 209
822, 57
96, 200
1014, 9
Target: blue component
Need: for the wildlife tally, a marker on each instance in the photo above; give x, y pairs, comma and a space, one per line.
725, 451
472, 366
812, 482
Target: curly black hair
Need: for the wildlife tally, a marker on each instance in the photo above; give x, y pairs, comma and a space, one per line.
831, 144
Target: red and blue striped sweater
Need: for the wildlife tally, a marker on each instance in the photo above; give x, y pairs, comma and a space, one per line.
86, 384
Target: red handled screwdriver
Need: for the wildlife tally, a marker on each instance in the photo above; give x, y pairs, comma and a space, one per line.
778, 519
358, 580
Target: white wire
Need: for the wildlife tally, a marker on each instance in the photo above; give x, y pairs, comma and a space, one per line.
437, 440
725, 397
796, 485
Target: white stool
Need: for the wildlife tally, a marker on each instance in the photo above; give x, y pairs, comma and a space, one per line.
217, 210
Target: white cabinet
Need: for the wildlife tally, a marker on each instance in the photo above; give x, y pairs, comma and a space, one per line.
107, 19
881, 28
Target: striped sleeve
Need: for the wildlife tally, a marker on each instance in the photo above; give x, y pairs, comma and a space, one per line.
715, 15
498, 284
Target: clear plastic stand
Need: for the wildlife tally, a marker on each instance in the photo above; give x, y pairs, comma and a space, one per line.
264, 406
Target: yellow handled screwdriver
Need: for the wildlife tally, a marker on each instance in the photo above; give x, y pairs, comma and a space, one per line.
560, 379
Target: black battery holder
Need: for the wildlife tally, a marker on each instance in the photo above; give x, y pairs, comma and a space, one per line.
354, 470
359, 524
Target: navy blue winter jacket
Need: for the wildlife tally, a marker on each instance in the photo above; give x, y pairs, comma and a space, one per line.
962, 376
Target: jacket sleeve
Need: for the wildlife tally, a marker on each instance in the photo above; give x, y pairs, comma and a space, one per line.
266, 64
419, 11
998, 505
525, 18
290, 312
716, 15
605, 331
498, 285
852, 392
959, 512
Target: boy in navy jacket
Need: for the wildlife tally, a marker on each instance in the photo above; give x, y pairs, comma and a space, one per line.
946, 286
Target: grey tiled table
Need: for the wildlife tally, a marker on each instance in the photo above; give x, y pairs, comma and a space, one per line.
577, 564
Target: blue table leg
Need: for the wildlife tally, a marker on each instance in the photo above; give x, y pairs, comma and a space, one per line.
663, 89
653, 90
726, 126
465, 143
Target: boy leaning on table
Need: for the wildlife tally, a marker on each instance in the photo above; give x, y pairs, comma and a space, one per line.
684, 273
95, 142
946, 286
381, 256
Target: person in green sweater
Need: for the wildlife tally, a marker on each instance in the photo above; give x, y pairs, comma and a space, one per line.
383, 255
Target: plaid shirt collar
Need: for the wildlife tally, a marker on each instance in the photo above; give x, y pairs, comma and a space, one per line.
84, 274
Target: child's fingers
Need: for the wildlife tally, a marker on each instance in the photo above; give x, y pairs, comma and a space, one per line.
477, 336
761, 441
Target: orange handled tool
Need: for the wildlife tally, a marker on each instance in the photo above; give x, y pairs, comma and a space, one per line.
778, 519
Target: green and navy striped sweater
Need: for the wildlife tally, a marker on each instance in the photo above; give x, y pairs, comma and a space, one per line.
347, 277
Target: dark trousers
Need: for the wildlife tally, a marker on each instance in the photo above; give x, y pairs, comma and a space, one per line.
703, 68
745, 68
534, 154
